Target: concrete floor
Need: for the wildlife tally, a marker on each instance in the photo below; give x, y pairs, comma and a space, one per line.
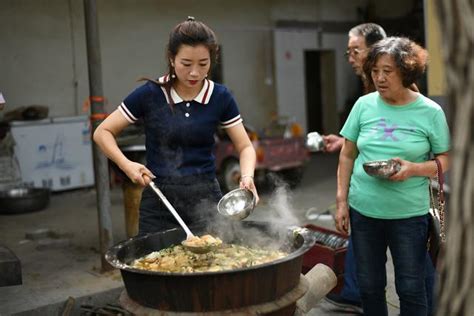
68, 265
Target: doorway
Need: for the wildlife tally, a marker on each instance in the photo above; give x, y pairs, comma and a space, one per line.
321, 109
314, 111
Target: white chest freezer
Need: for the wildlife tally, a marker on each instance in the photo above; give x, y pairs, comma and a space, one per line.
55, 153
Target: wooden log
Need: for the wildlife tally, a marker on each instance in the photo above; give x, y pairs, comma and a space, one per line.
132, 194
321, 280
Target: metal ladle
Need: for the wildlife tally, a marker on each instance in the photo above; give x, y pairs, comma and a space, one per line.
189, 234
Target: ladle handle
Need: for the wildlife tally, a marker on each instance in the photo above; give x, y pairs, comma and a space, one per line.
171, 209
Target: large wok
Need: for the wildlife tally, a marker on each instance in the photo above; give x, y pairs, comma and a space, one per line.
214, 291
23, 200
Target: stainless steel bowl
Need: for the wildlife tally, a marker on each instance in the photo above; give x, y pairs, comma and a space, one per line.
314, 142
382, 168
23, 200
237, 204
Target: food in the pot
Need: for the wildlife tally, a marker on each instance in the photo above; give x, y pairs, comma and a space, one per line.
203, 241
227, 257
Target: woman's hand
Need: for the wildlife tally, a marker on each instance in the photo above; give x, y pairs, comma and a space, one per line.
406, 171
342, 217
420, 169
138, 173
246, 182
332, 143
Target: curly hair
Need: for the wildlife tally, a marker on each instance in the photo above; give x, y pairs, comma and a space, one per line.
410, 58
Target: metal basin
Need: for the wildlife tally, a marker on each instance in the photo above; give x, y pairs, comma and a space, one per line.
382, 168
23, 200
237, 204
314, 142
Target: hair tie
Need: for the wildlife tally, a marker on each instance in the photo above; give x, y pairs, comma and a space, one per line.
190, 18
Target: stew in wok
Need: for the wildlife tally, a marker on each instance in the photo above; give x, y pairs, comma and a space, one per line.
227, 257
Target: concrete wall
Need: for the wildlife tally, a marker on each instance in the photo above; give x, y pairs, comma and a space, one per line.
37, 54
290, 80
43, 53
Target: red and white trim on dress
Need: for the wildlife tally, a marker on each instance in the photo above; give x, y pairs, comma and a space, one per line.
232, 122
203, 96
126, 113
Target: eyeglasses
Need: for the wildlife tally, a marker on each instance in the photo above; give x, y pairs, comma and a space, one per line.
353, 51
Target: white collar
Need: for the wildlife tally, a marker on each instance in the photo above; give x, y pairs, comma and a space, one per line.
203, 96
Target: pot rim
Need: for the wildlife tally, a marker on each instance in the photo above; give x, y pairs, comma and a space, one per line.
24, 192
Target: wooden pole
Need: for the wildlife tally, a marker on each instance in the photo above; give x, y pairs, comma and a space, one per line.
457, 266
97, 115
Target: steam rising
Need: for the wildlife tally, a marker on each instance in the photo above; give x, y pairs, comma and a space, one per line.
274, 233
281, 204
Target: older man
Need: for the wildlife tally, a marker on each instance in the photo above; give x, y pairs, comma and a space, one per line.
361, 38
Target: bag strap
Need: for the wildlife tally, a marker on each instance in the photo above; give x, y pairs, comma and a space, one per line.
440, 178
441, 201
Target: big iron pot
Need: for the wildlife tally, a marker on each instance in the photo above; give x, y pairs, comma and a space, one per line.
23, 200
213, 291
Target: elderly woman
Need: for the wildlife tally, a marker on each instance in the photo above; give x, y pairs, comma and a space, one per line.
392, 122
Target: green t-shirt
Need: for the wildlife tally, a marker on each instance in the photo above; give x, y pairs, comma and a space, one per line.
384, 131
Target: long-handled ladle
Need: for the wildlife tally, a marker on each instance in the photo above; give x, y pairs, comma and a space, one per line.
200, 249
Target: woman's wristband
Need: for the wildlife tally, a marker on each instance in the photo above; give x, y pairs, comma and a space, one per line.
246, 176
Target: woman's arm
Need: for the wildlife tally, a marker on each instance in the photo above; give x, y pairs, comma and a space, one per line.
105, 135
247, 156
420, 169
347, 157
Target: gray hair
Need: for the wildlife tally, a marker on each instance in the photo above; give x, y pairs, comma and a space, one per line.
371, 32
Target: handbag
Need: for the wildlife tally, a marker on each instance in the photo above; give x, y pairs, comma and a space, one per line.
436, 227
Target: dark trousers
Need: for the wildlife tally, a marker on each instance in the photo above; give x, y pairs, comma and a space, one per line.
406, 239
195, 200
350, 289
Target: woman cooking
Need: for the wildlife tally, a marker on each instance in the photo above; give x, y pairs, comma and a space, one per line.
181, 112
393, 122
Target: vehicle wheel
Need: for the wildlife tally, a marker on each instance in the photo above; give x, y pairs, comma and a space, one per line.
292, 176
231, 176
